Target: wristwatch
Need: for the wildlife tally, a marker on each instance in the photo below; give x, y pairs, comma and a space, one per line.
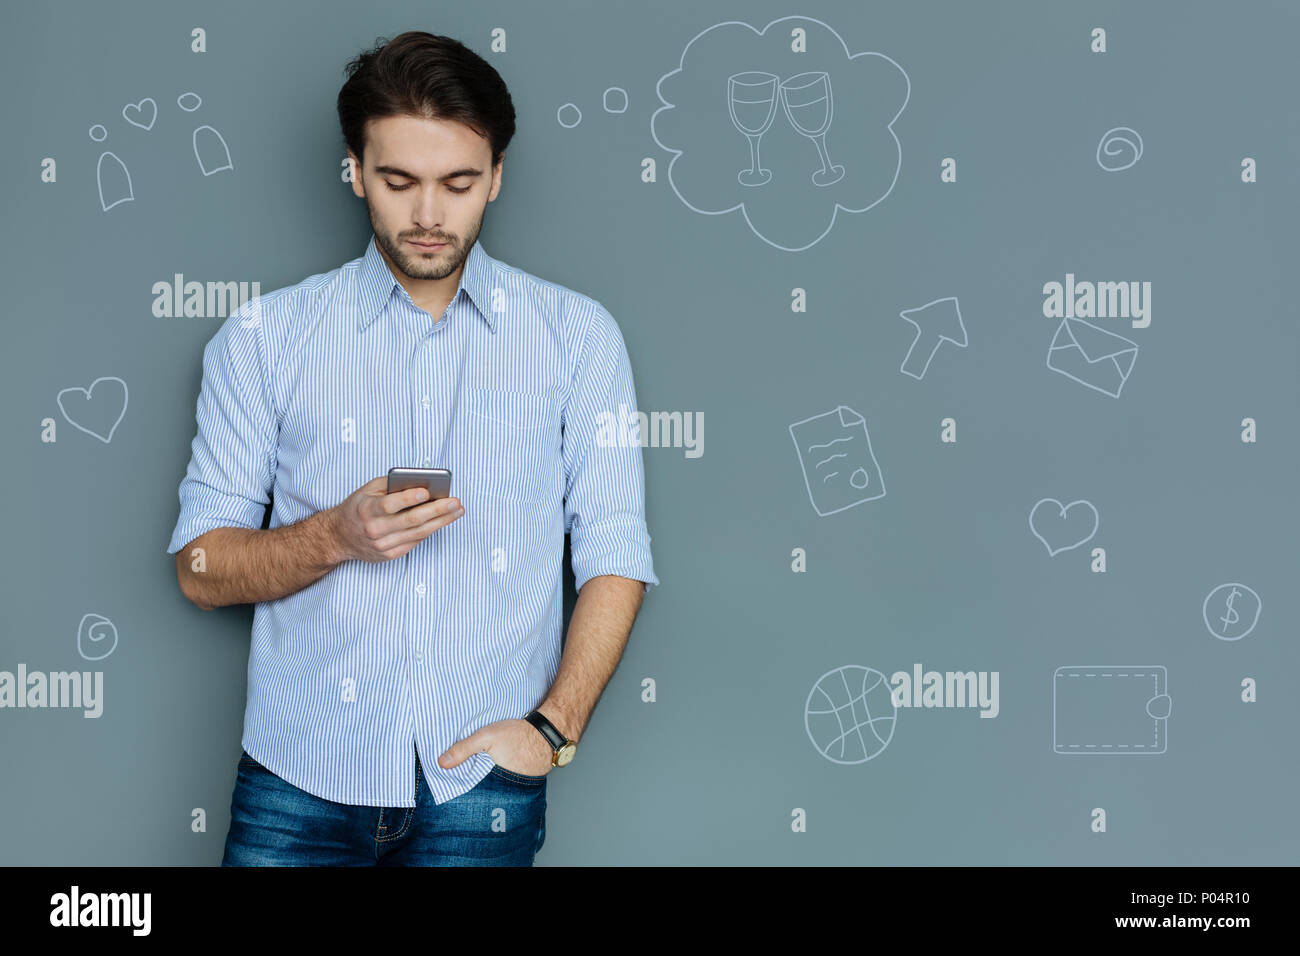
564, 748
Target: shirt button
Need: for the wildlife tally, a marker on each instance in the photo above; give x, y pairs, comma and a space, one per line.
425, 463
425, 401
419, 588
428, 341
419, 656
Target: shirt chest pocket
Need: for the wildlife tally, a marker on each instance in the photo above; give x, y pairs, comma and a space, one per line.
508, 447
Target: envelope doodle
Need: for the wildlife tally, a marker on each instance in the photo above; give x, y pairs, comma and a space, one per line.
1092, 356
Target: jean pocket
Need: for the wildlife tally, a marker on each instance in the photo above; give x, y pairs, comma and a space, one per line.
248, 763
524, 779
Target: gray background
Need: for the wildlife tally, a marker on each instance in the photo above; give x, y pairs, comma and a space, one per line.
943, 570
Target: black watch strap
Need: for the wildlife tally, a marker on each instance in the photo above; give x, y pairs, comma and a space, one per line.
548, 729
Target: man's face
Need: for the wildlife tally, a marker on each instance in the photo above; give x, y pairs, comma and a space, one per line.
428, 181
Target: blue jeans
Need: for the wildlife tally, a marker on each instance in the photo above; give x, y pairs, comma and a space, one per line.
273, 823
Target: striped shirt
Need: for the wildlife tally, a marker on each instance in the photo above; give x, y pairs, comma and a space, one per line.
524, 391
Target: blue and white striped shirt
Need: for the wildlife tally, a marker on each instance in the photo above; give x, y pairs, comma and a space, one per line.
524, 391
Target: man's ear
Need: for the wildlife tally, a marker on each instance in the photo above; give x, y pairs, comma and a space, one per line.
496, 177
358, 188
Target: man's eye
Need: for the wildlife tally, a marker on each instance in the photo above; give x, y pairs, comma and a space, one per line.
398, 189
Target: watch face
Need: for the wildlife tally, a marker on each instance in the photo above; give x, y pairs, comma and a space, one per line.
565, 754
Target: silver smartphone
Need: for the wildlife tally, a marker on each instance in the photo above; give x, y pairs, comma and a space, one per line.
437, 480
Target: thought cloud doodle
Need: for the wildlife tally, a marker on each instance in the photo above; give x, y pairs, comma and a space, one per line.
719, 120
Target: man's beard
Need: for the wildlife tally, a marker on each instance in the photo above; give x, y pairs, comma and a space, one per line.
412, 263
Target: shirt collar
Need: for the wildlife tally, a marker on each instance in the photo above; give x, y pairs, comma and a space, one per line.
377, 283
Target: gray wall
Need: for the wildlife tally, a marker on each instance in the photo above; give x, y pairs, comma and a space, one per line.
945, 569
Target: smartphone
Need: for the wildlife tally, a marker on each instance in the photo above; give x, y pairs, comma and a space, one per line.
437, 480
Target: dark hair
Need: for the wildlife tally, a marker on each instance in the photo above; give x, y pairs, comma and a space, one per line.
433, 77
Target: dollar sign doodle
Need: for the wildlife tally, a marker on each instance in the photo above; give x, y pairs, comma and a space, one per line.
1232, 617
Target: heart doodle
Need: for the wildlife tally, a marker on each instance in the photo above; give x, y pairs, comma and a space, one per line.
1058, 523
138, 109
85, 406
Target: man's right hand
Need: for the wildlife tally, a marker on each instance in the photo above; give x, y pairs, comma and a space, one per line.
371, 525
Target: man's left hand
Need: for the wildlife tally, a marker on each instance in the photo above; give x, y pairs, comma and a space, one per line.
512, 744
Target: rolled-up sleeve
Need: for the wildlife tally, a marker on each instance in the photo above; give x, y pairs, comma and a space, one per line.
232, 459
604, 500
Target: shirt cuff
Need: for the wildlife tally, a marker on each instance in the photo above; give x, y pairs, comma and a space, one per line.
237, 512
614, 546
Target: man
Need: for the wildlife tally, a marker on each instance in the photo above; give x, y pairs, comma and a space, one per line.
407, 696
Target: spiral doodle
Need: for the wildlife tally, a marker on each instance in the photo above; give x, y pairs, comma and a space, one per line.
1115, 143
